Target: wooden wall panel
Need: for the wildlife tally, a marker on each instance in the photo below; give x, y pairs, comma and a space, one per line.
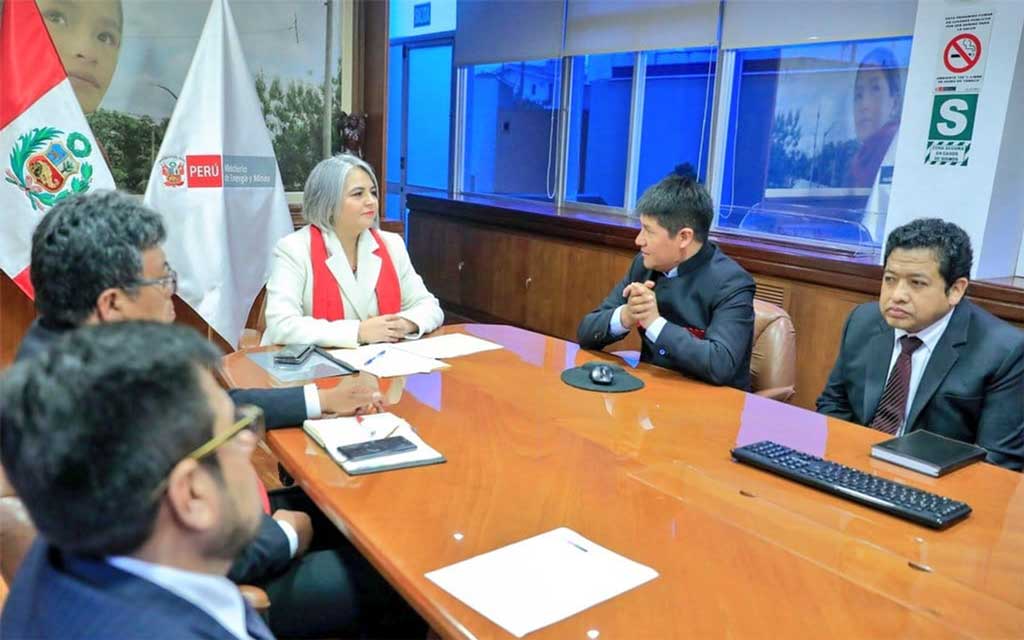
16, 314
818, 315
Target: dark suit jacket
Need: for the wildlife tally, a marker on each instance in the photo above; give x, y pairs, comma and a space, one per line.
711, 297
281, 407
268, 555
972, 389
60, 595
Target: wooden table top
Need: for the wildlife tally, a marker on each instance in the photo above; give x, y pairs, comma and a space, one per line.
647, 474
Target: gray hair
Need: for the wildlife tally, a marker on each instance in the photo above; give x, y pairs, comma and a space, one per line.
323, 190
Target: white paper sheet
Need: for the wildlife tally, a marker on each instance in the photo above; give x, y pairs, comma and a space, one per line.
332, 433
386, 361
452, 345
531, 584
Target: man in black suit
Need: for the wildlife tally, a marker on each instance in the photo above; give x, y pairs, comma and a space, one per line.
923, 357
139, 523
693, 306
97, 259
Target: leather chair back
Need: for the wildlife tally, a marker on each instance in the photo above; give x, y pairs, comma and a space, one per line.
773, 360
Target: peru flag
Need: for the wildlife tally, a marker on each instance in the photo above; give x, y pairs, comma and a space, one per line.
47, 150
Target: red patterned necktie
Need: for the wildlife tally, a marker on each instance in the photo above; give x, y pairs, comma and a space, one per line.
893, 404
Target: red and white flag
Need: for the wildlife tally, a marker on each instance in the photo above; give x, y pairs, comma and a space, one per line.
47, 150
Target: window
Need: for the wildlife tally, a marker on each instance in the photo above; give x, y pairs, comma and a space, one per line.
811, 137
676, 131
510, 128
602, 88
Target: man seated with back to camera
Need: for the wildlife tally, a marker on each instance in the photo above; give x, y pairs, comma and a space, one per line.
139, 523
96, 259
692, 305
925, 357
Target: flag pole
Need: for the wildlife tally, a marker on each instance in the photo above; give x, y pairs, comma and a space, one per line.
328, 94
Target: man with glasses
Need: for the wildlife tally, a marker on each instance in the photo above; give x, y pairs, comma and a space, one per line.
96, 259
139, 523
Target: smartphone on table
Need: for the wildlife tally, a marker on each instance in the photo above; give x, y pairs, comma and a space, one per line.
376, 448
293, 354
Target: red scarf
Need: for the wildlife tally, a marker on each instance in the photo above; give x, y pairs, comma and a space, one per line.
327, 303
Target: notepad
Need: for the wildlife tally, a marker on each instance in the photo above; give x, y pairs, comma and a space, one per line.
386, 361
531, 584
331, 433
452, 345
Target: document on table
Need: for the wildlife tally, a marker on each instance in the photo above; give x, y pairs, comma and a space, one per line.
386, 361
452, 345
531, 584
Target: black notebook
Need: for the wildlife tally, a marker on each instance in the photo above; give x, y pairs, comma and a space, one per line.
927, 452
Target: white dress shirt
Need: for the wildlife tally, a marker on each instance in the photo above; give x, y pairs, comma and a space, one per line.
215, 595
929, 337
653, 331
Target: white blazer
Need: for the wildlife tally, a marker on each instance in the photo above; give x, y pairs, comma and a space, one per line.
290, 291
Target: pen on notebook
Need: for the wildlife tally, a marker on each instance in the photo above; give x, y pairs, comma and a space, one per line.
374, 357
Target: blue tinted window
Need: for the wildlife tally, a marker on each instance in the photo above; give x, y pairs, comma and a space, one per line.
599, 128
430, 99
812, 135
394, 150
511, 112
677, 114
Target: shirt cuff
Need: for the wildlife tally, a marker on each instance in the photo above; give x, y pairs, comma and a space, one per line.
654, 330
615, 324
313, 409
291, 534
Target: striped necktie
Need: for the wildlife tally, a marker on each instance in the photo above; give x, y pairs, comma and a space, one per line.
893, 404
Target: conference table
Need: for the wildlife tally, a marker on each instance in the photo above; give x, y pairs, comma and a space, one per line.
648, 474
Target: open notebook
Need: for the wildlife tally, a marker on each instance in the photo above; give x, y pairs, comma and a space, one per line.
332, 433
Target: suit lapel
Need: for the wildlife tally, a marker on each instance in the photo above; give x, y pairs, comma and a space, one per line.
369, 270
941, 361
879, 354
342, 271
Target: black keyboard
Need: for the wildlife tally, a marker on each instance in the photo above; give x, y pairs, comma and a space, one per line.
905, 502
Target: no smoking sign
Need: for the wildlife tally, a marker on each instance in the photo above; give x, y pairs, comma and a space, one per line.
962, 53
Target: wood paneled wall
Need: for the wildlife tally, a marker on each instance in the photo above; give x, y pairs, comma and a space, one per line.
16, 314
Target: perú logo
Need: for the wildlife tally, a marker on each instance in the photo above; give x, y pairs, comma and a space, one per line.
204, 171
173, 170
45, 165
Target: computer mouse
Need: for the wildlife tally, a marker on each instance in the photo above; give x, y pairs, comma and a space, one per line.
602, 374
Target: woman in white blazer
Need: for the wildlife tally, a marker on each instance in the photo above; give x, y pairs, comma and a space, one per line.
340, 281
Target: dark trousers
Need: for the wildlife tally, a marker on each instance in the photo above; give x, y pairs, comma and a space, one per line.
333, 591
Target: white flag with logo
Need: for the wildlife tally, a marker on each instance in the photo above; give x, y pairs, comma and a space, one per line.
216, 183
47, 150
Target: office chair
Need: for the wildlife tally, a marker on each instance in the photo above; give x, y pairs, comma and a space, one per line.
773, 358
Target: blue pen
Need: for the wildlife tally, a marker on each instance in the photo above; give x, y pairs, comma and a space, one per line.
382, 352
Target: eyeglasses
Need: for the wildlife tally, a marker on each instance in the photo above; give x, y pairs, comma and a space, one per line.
247, 418
168, 282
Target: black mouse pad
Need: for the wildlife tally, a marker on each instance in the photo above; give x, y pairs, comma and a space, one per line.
579, 377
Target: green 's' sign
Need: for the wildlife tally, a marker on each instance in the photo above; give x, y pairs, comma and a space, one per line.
953, 116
